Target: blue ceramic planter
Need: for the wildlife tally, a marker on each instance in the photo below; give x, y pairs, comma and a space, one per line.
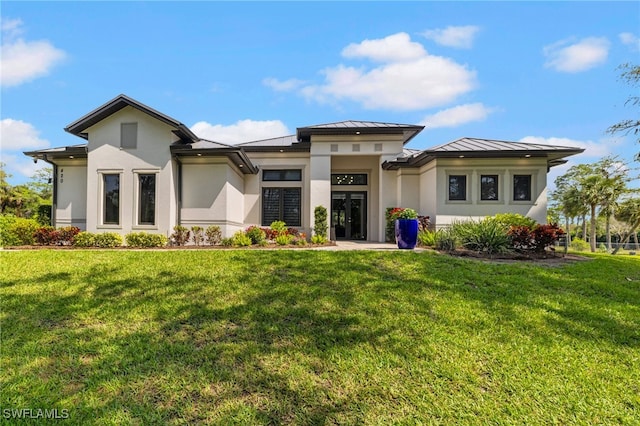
407, 233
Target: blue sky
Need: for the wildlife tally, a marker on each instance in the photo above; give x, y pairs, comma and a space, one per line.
542, 72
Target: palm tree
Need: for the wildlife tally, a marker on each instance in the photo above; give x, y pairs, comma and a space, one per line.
628, 211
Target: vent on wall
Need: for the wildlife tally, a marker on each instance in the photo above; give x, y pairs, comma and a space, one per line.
377, 147
334, 147
355, 147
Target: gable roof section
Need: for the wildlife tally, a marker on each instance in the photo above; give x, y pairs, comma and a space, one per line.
207, 148
116, 104
485, 148
351, 127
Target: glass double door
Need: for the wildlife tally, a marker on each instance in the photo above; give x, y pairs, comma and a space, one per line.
349, 214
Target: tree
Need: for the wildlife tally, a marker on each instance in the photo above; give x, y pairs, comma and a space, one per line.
629, 212
630, 75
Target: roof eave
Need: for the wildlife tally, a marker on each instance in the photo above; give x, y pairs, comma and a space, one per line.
236, 155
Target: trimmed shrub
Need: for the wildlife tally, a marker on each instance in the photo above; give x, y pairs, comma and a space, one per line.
545, 236
320, 221
521, 237
144, 239
17, 231
256, 235
84, 239
107, 240
226, 242
180, 235
300, 239
213, 235
426, 238
487, 235
319, 239
240, 239
197, 235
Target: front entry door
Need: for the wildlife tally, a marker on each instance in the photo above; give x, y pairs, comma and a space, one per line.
349, 214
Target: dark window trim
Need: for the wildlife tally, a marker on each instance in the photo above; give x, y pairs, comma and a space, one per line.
282, 175
495, 182
464, 189
105, 176
281, 208
529, 191
345, 179
140, 200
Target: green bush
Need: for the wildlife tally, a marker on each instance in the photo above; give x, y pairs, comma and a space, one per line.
578, 244
278, 227
197, 234
213, 235
319, 239
144, 239
446, 240
226, 242
509, 220
256, 235
320, 221
44, 214
284, 239
240, 239
426, 238
107, 240
17, 231
486, 235
84, 239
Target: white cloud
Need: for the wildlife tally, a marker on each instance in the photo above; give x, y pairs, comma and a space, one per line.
630, 40
19, 135
23, 61
283, 86
581, 56
458, 115
241, 131
459, 37
394, 48
21, 167
408, 79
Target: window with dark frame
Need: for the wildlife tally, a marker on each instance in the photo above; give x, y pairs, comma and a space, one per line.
128, 135
283, 204
488, 187
522, 188
288, 175
349, 179
457, 187
111, 191
147, 199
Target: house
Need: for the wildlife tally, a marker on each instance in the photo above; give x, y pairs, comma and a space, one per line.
141, 170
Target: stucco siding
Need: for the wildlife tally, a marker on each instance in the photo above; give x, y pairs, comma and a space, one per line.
71, 188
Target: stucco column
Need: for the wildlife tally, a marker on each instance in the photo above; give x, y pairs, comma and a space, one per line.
319, 185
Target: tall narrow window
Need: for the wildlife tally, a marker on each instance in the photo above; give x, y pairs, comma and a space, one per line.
522, 188
457, 187
128, 135
147, 199
111, 185
489, 187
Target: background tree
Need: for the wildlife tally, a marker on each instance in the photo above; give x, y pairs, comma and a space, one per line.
25, 200
629, 212
630, 75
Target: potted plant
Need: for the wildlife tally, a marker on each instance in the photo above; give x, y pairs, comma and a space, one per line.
406, 221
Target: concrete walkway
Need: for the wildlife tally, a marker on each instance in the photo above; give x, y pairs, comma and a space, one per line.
364, 245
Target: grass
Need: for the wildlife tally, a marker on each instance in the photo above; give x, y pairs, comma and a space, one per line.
311, 337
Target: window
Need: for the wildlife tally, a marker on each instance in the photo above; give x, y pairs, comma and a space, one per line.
111, 190
282, 175
128, 135
281, 204
349, 179
489, 187
147, 199
457, 187
522, 188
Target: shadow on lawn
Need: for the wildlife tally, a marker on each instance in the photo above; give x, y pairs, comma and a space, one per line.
127, 340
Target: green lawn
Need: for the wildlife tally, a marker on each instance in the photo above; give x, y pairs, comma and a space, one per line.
316, 337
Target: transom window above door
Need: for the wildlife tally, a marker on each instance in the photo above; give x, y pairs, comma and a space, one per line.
349, 179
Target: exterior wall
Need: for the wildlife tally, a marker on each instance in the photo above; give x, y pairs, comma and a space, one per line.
448, 211
151, 155
253, 185
429, 191
408, 181
211, 194
71, 194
